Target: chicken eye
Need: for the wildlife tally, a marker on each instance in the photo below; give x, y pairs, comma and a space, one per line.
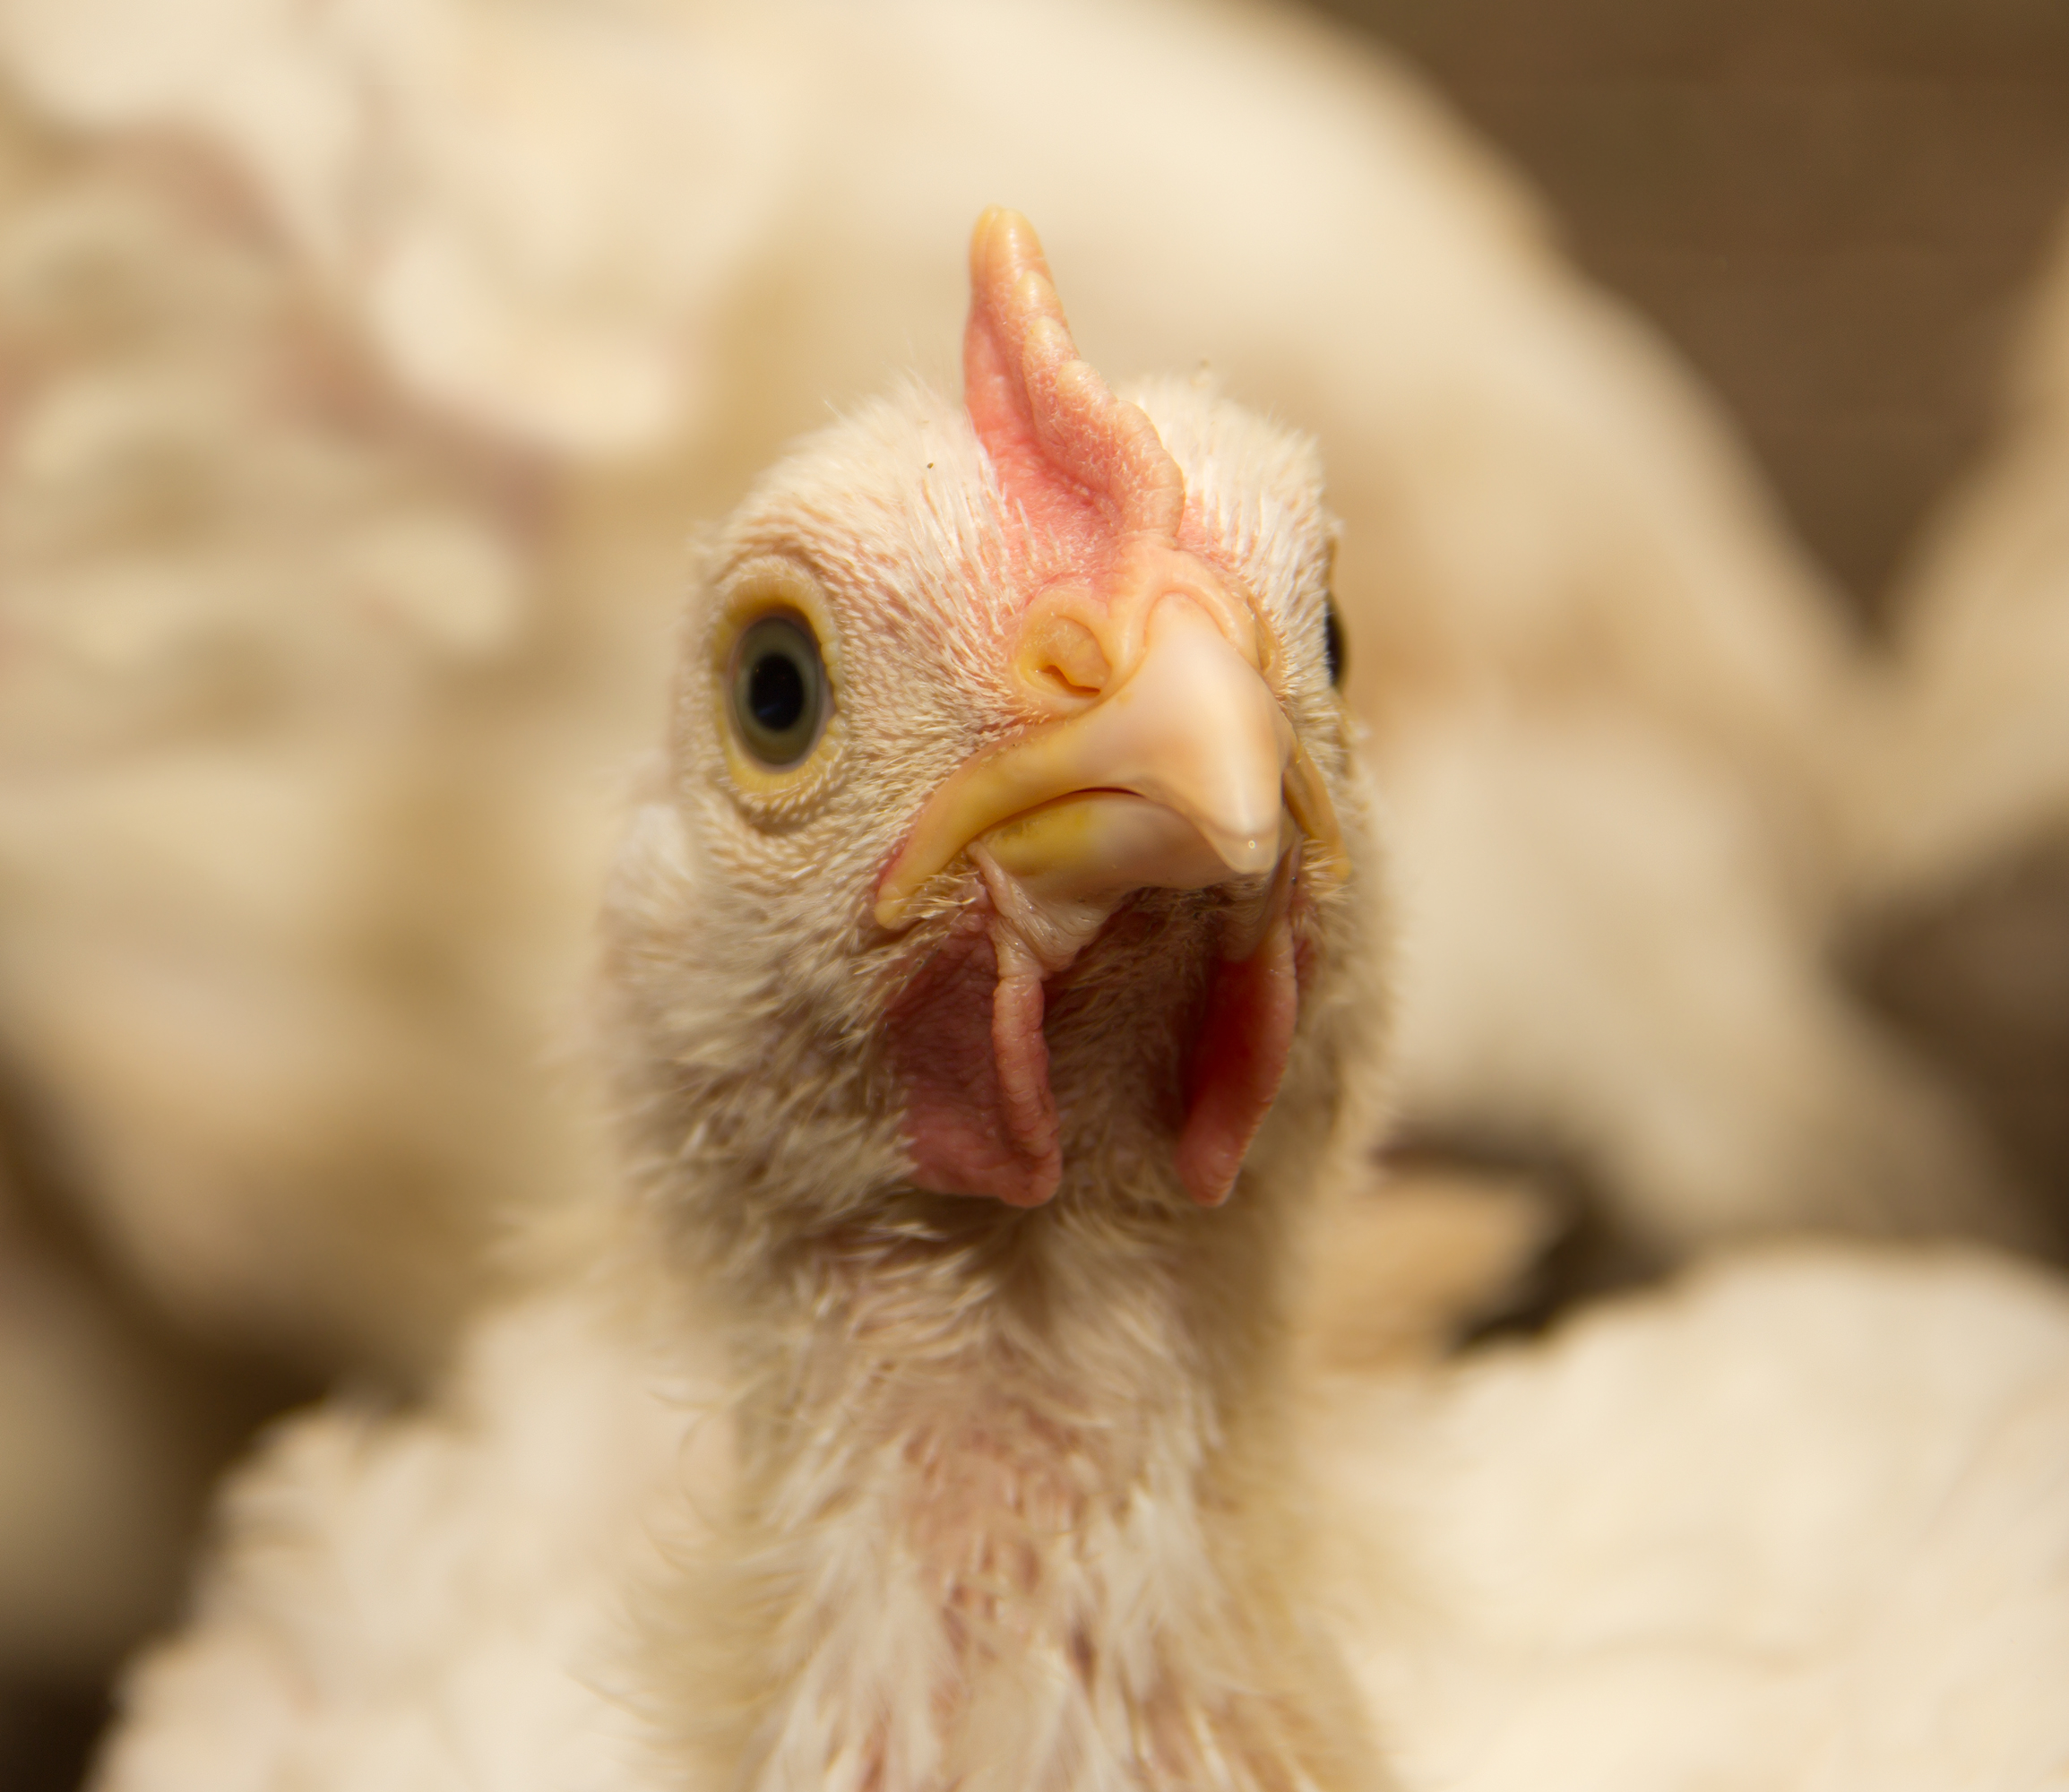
779, 691
1332, 640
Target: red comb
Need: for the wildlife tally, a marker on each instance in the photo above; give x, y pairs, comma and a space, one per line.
1083, 466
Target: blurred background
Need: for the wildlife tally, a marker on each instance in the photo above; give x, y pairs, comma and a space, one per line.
1837, 210
1841, 213
332, 590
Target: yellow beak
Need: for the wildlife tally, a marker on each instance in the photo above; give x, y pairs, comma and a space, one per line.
1184, 773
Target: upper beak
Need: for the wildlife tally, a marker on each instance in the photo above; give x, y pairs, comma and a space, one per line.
1190, 726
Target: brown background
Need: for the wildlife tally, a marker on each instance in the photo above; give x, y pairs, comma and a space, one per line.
1832, 207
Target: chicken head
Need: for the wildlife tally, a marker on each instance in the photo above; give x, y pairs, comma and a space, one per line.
990, 983
1007, 831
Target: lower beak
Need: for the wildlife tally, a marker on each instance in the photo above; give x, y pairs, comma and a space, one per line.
1185, 774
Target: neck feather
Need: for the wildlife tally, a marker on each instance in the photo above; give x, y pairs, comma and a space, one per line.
1016, 1513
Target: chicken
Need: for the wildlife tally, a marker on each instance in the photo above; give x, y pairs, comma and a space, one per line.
268, 994
992, 984
986, 993
241, 609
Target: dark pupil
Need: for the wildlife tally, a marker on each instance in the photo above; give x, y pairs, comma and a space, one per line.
1332, 642
779, 690
776, 692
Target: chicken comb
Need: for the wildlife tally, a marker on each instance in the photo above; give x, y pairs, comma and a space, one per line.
1084, 466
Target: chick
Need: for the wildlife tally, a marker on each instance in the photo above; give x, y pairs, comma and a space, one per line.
990, 989
987, 990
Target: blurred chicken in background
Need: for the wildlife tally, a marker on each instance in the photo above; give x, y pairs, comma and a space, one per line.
364, 368
1963, 813
245, 608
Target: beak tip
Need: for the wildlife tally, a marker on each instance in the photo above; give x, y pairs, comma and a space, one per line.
1249, 848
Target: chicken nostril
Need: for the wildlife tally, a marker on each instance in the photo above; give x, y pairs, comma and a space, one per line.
1061, 680
1065, 655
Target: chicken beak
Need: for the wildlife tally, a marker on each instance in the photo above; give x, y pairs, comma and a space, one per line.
1183, 772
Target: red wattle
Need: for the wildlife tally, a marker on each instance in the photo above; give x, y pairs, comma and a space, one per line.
1237, 1065
966, 1045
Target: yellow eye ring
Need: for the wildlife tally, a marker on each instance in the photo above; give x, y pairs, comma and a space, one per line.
774, 665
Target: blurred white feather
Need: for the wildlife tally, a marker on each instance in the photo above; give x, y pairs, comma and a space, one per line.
1797, 1521
242, 607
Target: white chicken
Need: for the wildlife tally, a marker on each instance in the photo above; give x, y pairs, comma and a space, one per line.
991, 989
1797, 1523
1004, 848
282, 882
1599, 678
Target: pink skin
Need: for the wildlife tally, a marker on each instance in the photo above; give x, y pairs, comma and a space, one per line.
1086, 470
1238, 1063
1091, 477
967, 1048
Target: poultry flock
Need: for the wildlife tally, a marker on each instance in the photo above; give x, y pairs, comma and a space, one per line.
365, 370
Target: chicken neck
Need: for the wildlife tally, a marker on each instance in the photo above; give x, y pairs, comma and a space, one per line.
1016, 1512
